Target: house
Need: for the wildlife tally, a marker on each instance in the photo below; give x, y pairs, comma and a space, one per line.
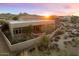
21, 34
18, 28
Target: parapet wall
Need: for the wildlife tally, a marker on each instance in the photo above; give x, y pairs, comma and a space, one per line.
6, 39
26, 44
22, 45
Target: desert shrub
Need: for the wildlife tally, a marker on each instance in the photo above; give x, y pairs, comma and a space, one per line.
2, 22
76, 42
74, 19
44, 40
44, 43
15, 18
56, 40
54, 53
59, 32
40, 53
66, 53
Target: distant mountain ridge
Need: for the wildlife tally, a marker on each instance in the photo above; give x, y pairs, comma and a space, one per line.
21, 16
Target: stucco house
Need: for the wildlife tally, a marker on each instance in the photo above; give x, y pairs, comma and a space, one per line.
18, 28
23, 34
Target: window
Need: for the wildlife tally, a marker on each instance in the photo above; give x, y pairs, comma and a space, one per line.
17, 30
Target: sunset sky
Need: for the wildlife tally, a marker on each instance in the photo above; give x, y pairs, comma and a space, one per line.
40, 8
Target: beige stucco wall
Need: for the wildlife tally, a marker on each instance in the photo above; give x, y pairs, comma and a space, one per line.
6, 39
22, 45
25, 45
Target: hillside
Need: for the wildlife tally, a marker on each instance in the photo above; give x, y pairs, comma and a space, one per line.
64, 40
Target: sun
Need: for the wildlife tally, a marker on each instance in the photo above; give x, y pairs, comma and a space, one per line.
47, 15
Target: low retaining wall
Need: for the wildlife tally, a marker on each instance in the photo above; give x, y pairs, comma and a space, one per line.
26, 44
22, 45
6, 39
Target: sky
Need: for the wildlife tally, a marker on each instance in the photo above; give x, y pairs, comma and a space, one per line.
41, 8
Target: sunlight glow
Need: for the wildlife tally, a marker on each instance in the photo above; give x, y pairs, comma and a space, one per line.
76, 14
47, 15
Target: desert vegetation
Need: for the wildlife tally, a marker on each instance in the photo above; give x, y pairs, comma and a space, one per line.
67, 35
65, 41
